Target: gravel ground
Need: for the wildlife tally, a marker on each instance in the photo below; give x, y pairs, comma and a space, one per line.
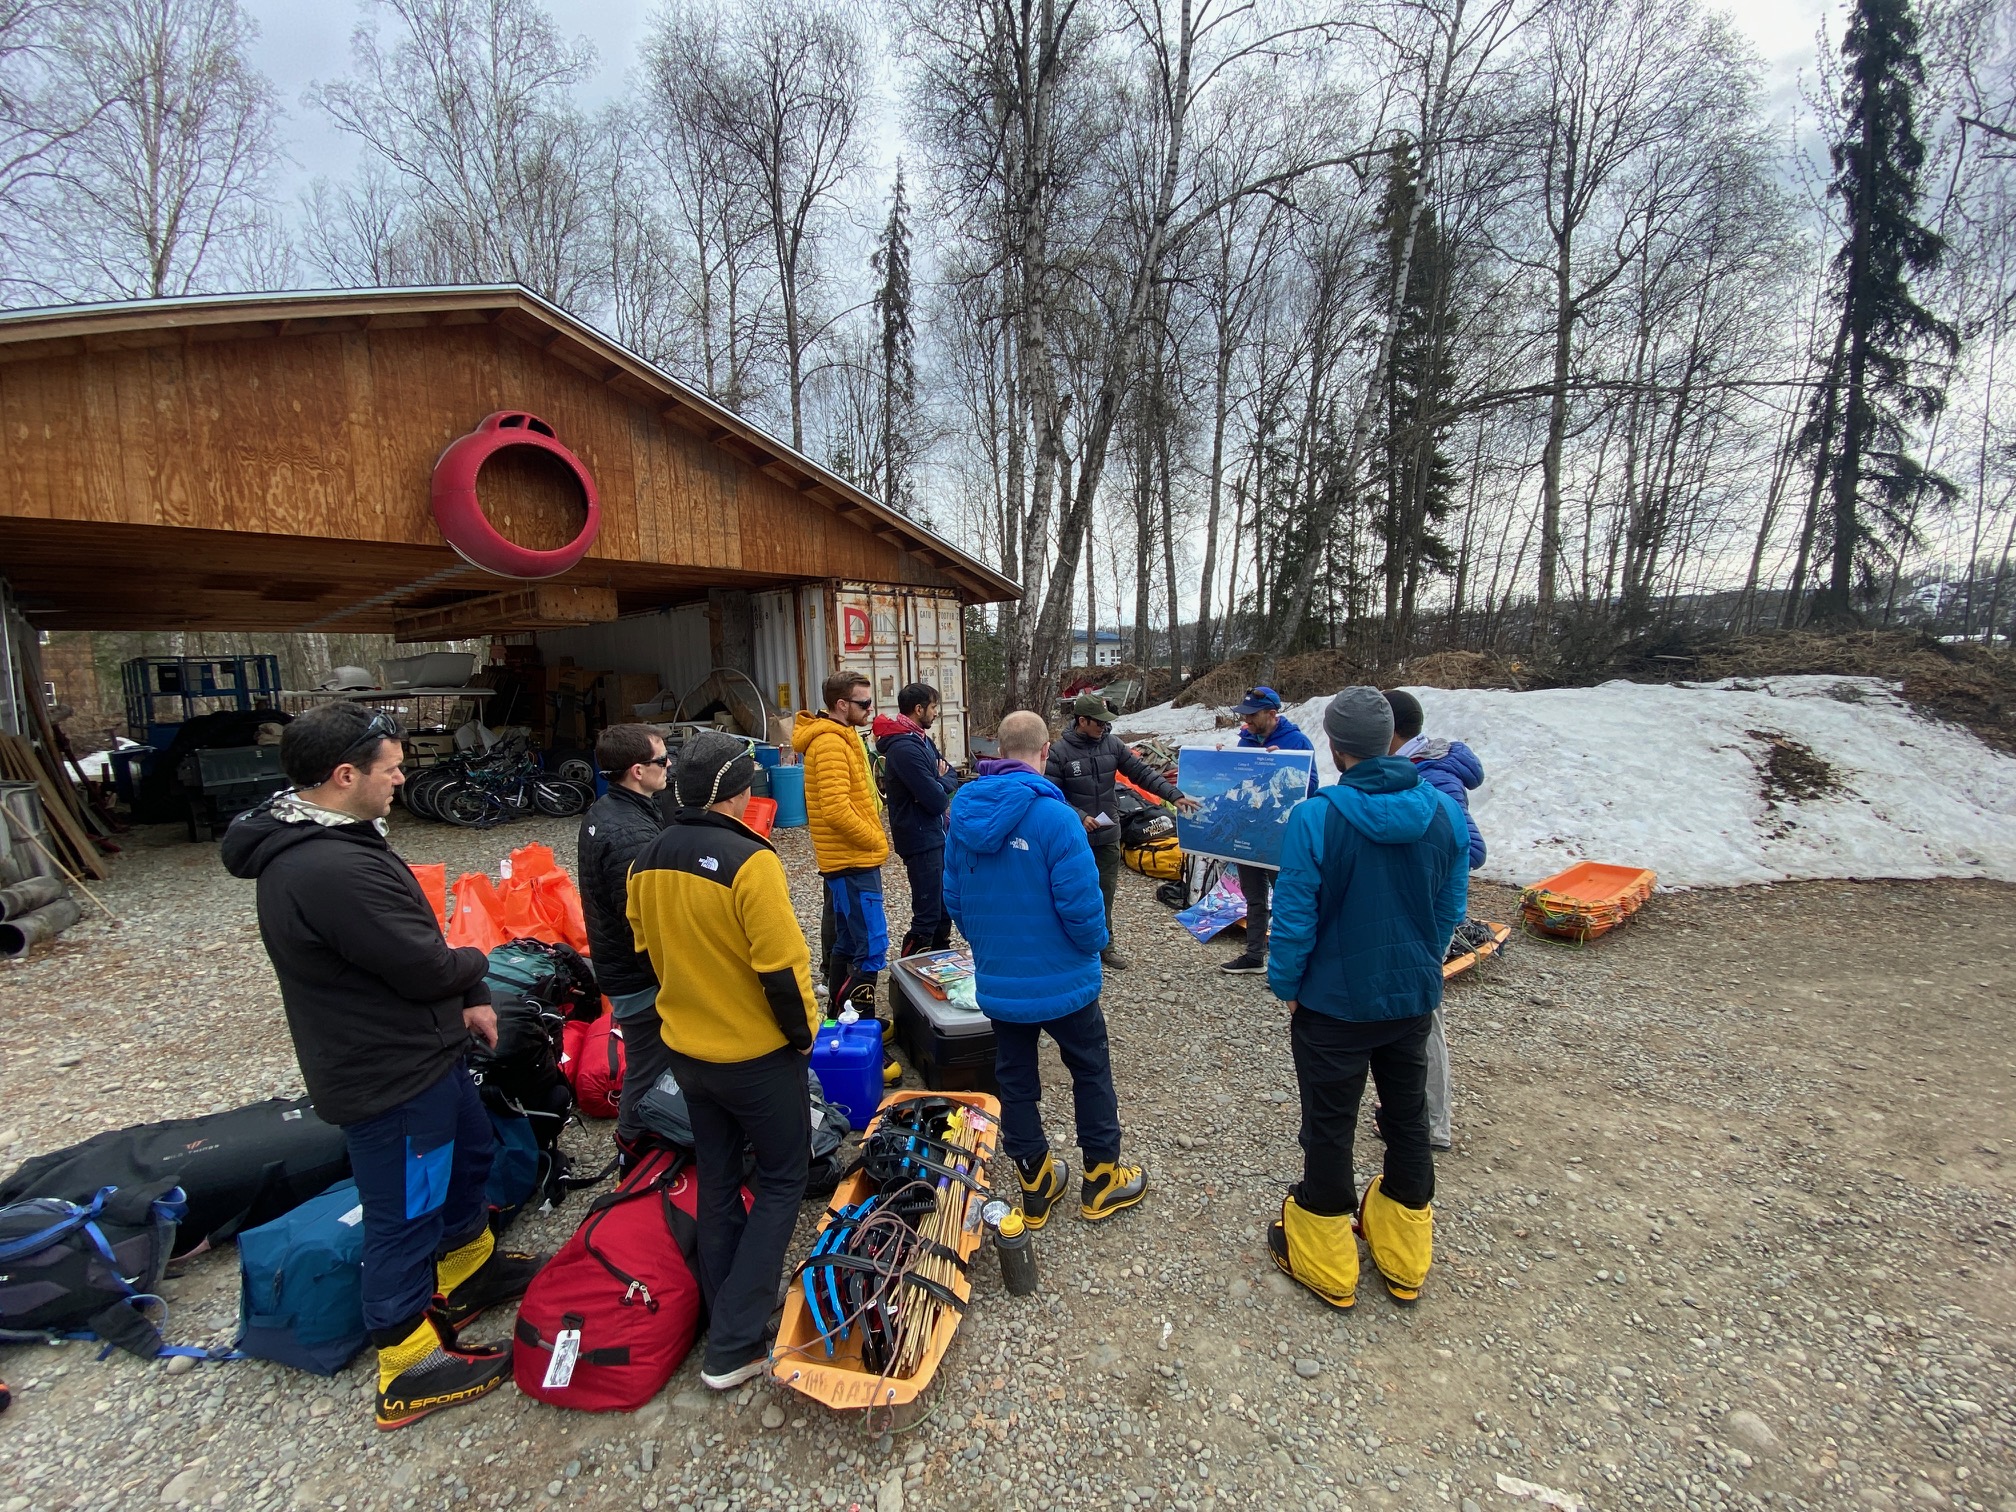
1729, 1223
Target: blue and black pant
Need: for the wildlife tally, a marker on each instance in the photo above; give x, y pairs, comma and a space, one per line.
420, 1169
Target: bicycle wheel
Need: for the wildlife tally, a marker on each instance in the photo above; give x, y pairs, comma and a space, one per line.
421, 792
561, 799
577, 769
468, 806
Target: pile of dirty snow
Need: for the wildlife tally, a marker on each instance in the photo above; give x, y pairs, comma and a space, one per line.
1710, 785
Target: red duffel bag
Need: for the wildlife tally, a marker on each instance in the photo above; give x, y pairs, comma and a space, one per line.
606, 1323
598, 1067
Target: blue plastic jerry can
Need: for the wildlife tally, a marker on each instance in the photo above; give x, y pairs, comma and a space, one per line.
847, 1059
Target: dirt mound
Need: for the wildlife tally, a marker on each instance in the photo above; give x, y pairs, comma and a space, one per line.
1969, 685
1459, 669
1299, 677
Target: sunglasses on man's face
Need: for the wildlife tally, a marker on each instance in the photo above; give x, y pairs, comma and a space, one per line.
658, 761
862, 703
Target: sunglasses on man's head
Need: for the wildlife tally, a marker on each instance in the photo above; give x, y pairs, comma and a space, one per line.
382, 727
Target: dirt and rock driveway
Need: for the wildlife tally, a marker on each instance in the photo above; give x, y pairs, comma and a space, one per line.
1729, 1223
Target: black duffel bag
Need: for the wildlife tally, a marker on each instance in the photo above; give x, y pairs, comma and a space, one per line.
236, 1170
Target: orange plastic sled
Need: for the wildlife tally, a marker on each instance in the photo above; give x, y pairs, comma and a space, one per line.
1586, 901
1500, 933
800, 1360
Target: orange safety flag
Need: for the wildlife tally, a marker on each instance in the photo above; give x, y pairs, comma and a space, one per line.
476, 920
433, 879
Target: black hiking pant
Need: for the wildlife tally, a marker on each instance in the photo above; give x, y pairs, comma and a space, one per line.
1332, 1058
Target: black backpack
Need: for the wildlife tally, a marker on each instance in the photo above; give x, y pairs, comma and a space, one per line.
70, 1268
236, 1170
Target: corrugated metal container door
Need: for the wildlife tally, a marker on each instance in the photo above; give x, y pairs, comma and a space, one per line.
776, 651
817, 653
939, 659
872, 630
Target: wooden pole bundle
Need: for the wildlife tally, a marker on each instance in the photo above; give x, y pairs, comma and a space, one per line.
922, 1307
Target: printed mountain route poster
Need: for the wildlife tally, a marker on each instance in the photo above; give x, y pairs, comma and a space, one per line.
1244, 797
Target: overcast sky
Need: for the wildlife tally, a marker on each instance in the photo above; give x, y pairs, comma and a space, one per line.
302, 43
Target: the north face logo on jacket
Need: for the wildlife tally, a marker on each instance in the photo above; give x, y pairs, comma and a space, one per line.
1019, 843
710, 863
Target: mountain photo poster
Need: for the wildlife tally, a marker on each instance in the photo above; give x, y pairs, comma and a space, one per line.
1244, 797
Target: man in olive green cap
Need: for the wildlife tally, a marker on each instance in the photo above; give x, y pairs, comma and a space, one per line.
1082, 762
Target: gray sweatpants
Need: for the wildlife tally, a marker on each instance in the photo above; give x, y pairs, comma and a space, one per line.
1438, 1085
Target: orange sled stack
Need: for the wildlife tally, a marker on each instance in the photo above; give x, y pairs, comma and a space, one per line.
1586, 901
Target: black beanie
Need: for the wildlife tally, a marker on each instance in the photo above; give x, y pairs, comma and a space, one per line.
712, 767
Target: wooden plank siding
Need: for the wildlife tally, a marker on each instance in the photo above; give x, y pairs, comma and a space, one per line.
274, 474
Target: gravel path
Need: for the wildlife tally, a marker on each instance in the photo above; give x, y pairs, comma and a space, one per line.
1729, 1223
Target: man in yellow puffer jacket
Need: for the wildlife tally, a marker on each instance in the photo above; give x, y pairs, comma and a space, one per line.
849, 845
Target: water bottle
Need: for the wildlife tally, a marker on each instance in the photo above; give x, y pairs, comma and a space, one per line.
1011, 1243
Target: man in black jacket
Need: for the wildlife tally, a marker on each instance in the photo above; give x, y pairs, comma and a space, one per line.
381, 1011
919, 784
1082, 762
617, 826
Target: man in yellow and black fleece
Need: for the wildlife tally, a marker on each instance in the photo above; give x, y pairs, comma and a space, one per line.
709, 904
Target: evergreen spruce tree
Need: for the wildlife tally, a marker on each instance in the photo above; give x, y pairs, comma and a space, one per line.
891, 262
1875, 395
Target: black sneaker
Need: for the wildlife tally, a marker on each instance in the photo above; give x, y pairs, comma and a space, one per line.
453, 1374
500, 1279
1245, 962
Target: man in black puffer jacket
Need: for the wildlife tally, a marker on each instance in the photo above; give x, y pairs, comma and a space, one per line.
381, 1010
614, 831
918, 783
1082, 762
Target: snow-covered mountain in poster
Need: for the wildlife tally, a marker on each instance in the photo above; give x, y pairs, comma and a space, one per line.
1244, 797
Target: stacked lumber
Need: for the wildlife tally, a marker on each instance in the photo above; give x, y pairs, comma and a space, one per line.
68, 833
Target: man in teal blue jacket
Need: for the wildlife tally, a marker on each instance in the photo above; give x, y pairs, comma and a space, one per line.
1374, 879
1022, 886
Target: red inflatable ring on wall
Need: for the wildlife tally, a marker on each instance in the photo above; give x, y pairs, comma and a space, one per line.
460, 515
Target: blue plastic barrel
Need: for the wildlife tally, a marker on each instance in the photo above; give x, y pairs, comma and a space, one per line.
847, 1058
769, 755
787, 786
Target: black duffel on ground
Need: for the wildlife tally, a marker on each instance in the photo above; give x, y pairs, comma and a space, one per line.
236, 1169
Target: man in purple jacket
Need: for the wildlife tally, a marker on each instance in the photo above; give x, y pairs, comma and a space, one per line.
1452, 767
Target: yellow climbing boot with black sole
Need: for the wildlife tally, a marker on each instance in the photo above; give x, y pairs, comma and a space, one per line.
1401, 1240
1108, 1187
428, 1370
1319, 1252
1043, 1182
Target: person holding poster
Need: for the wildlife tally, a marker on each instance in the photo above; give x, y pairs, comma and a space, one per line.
1263, 725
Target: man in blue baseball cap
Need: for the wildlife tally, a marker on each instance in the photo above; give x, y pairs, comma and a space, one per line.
1265, 727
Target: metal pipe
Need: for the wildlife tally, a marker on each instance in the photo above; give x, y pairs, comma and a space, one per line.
19, 936
26, 897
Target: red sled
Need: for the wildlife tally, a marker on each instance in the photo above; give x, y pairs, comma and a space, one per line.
622, 1297
597, 1068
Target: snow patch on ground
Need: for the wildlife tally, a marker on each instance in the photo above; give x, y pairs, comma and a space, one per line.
1668, 777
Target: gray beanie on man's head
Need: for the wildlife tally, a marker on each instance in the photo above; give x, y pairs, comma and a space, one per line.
712, 766
1359, 723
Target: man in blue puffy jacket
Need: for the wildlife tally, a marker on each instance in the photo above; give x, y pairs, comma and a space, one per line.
1264, 727
1372, 885
1022, 886
1453, 769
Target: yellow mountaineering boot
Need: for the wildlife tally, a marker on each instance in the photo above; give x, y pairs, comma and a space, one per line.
1321, 1253
1042, 1184
426, 1369
1401, 1239
1108, 1187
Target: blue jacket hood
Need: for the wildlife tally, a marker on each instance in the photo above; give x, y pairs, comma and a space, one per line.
1453, 757
1385, 800
986, 810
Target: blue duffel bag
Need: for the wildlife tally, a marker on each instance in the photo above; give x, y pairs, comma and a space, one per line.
301, 1284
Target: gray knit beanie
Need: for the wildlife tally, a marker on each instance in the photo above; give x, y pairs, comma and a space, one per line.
712, 766
1359, 723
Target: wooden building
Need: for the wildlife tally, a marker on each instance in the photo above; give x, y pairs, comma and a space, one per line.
266, 462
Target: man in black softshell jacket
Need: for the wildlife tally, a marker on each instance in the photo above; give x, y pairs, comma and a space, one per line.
614, 832
918, 783
381, 1010
1082, 762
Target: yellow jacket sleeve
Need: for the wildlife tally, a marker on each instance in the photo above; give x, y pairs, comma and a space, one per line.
777, 949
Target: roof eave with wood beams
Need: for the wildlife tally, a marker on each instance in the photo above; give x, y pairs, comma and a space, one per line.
27, 335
